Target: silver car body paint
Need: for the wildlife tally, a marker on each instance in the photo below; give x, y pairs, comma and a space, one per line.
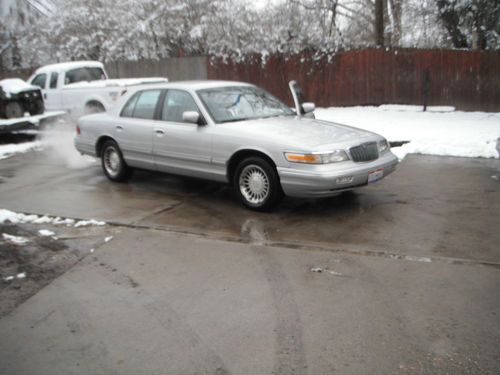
204, 151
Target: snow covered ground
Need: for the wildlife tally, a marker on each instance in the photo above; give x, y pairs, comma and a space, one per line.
18, 148
439, 131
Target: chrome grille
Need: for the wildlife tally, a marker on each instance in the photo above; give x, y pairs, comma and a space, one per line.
365, 152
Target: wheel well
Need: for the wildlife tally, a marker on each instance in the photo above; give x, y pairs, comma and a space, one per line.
243, 154
100, 142
96, 104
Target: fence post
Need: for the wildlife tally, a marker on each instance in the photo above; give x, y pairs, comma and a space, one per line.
426, 86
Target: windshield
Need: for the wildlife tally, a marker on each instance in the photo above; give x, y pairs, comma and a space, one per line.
227, 104
84, 74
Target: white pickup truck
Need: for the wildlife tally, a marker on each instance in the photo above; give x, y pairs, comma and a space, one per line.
82, 87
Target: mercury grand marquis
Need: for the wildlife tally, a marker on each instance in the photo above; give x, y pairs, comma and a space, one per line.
235, 133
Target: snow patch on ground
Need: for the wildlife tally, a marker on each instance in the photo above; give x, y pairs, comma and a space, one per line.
17, 218
16, 240
45, 233
12, 149
439, 131
86, 223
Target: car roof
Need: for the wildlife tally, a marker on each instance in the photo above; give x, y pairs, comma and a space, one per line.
193, 85
62, 67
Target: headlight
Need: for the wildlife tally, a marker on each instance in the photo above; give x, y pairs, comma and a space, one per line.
383, 146
317, 158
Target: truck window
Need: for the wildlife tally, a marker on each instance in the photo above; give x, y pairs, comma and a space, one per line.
39, 80
83, 75
53, 80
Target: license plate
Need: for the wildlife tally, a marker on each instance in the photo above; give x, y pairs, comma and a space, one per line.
375, 175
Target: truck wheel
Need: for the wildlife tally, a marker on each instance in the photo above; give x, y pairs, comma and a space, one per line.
94, 107
38, 108
257, 185
14, 110
113, 164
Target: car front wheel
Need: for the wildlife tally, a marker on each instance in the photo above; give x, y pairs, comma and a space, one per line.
257, 184
113, 164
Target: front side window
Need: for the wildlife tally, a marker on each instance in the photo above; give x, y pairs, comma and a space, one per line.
142, 105
83, 75
227, 104
39, 80
176, 103
53, 80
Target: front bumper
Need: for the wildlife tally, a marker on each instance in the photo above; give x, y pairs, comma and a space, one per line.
329, 180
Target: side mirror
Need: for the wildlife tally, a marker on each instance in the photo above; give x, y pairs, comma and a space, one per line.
191, 117
308, 107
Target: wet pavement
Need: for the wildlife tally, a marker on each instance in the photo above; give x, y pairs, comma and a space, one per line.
430, 207
400, 277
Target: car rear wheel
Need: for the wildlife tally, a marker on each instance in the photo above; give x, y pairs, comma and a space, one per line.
14, 110
113, 164
257, 184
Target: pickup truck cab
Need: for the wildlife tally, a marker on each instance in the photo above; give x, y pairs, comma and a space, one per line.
82, 87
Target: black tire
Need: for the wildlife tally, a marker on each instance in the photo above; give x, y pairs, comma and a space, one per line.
256, 184
114, 166
38, 108
14, 110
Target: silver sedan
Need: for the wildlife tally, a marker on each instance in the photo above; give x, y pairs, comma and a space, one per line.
236, 133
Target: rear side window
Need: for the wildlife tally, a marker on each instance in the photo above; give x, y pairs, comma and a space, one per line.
53, 80
39, 80
142, 105
84, 74
176, 102
128, 110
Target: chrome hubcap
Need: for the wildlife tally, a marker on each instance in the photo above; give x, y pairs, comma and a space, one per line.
112, 161
254, 184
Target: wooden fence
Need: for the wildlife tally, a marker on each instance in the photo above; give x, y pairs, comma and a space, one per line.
468, 80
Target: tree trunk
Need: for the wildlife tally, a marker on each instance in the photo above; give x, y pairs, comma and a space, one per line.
379, 23
396, 12
450, 18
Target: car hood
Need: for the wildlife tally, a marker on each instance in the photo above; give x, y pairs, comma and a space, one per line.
300, 132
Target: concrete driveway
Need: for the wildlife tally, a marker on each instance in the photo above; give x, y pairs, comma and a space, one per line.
194, 284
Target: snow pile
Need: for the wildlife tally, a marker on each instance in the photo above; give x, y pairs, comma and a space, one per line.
86, 223
15, 239
17, 218
21, 275
11, 149
440, 131
45, 233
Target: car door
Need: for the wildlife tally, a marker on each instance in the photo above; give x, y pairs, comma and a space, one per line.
135, 126
51, 94
178, 146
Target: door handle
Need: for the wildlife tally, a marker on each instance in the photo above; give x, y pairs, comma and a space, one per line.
45, 96
119, 128
159, 131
